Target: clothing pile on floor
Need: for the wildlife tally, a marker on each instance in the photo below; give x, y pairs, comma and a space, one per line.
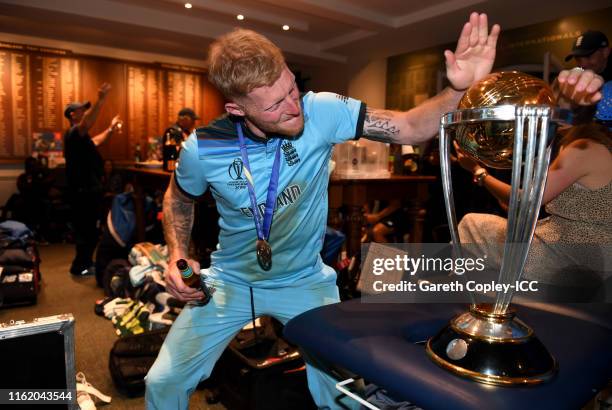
136, 300
257, 367
19, 265
141, 311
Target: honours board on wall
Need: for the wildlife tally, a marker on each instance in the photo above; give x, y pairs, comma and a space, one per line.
37, 82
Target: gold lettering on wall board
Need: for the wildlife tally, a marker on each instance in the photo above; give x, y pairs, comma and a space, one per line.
544, 39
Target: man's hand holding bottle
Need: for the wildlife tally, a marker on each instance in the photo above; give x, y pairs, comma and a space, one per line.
176, 285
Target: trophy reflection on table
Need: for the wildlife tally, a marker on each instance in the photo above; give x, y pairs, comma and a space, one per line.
508, 121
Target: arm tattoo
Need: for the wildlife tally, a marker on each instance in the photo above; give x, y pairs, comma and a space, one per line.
379, 125
177, 221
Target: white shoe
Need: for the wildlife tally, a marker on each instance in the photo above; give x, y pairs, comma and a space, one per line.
85, 402
84, 390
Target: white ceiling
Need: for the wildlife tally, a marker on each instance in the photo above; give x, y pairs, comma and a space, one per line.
322, 31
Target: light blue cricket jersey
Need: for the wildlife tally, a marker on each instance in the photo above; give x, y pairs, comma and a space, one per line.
210, 158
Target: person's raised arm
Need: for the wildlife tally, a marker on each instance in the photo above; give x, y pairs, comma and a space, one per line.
499, 189
471, 61
90, 117
178, 215
571, 164
101, 137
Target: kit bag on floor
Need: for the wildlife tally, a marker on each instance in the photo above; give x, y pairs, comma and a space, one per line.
131, 358
262, 373
19, 276
18, 286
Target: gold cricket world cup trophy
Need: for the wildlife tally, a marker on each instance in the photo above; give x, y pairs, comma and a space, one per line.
507, 121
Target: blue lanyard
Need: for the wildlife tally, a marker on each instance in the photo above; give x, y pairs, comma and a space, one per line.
263, 230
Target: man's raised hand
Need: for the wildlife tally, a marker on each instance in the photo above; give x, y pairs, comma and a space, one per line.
475, 53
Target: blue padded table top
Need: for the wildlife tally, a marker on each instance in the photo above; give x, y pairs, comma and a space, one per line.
378, 341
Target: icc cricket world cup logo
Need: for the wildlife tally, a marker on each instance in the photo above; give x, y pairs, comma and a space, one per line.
235, 169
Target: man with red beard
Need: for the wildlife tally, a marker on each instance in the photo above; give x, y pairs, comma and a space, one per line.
266, 164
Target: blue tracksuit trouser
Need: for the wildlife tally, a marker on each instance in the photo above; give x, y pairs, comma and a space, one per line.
199, 336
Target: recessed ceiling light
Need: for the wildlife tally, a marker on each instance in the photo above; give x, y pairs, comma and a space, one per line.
285, 27
188, 5
240, 17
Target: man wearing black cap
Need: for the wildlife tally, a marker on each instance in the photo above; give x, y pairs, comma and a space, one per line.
84, 170
591, 51
176, 134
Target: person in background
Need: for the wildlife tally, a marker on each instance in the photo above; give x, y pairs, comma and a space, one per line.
566, 248
387, 221
591, 51
175, 135
31, 205
603, 114
84, 174
111, 180
112, 184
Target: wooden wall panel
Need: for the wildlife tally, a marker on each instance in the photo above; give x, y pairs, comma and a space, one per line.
6, 114
94, 73
36, 83
212, 103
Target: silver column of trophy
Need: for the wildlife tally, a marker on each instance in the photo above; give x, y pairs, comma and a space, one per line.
507, 120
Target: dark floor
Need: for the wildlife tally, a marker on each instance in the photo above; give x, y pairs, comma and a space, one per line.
94, 336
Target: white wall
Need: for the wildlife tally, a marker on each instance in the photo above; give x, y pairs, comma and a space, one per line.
368, 82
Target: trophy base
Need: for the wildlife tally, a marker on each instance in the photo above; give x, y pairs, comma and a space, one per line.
492, 348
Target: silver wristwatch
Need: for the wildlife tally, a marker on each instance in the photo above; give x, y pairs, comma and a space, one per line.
479, 176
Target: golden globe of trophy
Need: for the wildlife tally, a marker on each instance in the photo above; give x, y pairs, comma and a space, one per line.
507, 120
491, 142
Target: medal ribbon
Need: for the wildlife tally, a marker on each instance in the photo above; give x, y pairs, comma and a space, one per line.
263, 229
